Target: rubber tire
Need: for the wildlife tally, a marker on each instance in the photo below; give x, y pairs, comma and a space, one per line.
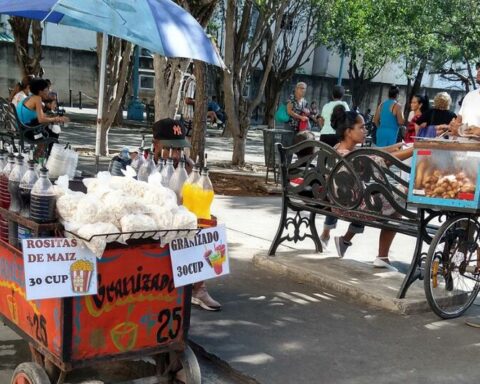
191, 367
34, 372
428, 268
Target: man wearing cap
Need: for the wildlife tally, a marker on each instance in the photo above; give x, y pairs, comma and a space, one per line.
169, 133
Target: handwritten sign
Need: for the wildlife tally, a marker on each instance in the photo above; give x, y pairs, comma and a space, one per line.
201, 258
58, 267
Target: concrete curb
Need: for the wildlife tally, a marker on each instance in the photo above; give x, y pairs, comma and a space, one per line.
320, 278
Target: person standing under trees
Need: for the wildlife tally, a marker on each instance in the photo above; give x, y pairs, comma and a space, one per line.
327, 133
188, 107
437, 119
418, 107
388, 118
297, 109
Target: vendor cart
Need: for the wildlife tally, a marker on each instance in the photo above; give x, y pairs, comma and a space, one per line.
445, 178
136, 313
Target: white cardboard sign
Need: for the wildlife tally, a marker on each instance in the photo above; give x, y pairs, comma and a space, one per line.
201, 258
58, 267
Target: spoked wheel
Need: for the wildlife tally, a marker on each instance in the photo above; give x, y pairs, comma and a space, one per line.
29, 373
179, 367
452, 269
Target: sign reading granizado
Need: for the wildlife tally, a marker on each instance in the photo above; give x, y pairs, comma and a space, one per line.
200, 258
58, 267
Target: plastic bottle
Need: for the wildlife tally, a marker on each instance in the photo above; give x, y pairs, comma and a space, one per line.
160, 165
42, 199
189, 185
147, 168
202, 196
5, 174
15, 200
14, 184
139, 160
3, 155
178, 179
4, 195
26, 184
168, 170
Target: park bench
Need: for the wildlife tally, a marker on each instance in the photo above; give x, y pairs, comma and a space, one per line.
323, 182
15, 131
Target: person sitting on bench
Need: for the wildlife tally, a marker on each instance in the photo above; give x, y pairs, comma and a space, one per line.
215, 113
350, 129
30, 110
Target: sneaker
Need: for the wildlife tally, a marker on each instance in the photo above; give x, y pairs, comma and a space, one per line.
341, 246
201, 298
382, 262
219, 122
324, 241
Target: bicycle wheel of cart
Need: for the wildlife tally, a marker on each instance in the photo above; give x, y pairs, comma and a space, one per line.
452, 268
179, 367
29, 373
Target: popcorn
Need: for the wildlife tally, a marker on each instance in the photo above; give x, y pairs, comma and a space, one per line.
81, 275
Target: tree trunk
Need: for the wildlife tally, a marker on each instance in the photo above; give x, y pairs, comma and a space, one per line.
359, 90
200, 117
418, 79
272, 95
470, 75
118, 64
35, 60
168, 80
240, 138
20, 29
231, 102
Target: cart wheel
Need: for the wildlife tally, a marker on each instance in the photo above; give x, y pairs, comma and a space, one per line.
179, 368
452, 269
190, 372
29, 373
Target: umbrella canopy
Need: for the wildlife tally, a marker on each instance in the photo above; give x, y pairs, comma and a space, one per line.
158, 25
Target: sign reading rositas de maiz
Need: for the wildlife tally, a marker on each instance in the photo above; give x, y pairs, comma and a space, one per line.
58, 267
201, 258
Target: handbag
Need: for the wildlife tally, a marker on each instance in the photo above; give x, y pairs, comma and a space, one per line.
428, 131
281, 115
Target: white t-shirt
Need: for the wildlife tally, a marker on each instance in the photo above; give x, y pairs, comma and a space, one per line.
470, 110
18, 98
327, 114
190, 85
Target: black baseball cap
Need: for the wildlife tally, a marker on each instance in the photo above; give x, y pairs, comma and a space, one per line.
171, 133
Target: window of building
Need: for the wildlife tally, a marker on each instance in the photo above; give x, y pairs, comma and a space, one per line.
147, 82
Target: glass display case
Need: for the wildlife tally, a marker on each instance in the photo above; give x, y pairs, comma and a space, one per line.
445, 174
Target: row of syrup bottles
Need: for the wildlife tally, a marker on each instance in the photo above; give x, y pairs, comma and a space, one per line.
172, 177
197, 192
25, 192
194, 191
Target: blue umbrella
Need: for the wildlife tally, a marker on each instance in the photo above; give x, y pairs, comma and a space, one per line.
158, 25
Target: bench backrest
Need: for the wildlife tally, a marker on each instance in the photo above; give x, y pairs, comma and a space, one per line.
10, 118
366, 180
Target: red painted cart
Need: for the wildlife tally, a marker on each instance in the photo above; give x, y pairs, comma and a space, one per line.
137, 312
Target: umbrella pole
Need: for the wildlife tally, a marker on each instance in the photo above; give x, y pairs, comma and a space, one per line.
101, 92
